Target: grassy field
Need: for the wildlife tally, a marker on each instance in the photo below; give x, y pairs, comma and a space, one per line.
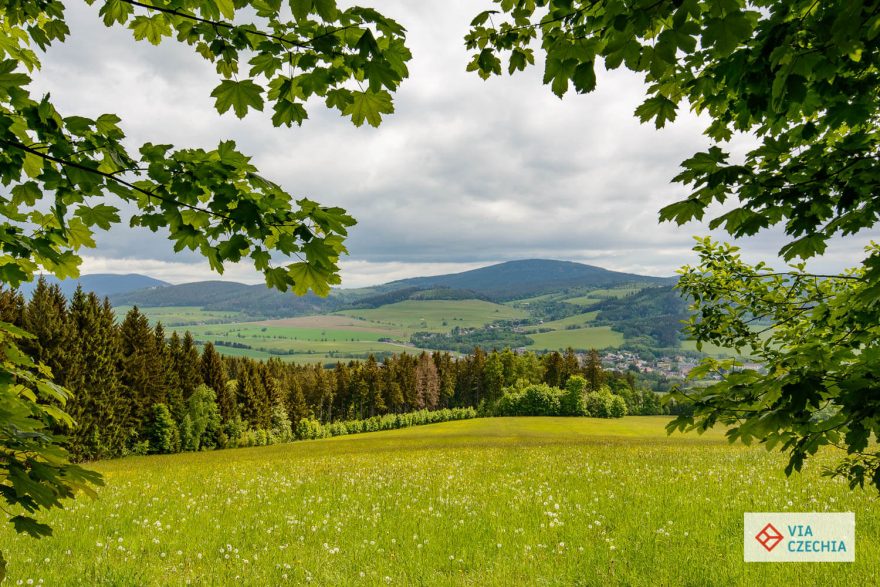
576, 320
591, 337
183, 315
437, 315
512, 501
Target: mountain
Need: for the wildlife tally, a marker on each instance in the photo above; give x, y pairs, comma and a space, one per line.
103, 284
520, 279
255, 300
505, 281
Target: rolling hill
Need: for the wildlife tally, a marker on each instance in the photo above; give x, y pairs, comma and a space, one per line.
103, 284
520, 279
505, 281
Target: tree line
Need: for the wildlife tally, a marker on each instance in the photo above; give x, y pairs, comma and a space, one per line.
137, 389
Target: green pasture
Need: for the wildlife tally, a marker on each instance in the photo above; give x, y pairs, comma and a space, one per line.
591, 337
182, 315
505, 501
437, 315
563, 323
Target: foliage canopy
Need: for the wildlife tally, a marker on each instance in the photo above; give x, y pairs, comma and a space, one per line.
802, 77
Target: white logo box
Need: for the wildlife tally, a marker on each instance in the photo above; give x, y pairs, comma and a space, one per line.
799, 537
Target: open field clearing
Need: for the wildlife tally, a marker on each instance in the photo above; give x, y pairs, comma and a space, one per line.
583, 300
576, 320
183, 315
438, 315
592, 337
504, 501
324, 321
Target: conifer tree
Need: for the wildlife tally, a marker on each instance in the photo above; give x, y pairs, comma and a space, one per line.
188, 366
341, 397
12, 306
391, 386
141, 371
593, 372
427, 383
167, 351
374, 386
297, 409
553, 369
493, 376
570, 366
213, 372
46, 318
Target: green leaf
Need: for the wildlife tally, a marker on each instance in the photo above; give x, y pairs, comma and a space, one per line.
306, 277
288, 113
726, 34
682, 212
369, 106
301, 8
805, 247
584, 78
238, 96
152, 28
101, 215
660, 108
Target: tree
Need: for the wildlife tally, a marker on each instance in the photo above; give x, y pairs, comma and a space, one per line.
801, 77
212, 369
428, 382
162, 431
96, 405
141, 372
64, 174
593, 371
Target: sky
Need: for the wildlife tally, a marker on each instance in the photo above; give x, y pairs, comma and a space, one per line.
466, 173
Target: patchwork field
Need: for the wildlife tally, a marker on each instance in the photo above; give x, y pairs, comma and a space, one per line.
512, 501
591, 337
437, 315
182, 315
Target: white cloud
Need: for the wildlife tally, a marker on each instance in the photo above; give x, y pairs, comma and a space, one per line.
465, 173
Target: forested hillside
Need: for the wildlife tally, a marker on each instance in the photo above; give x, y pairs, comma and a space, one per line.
138, 389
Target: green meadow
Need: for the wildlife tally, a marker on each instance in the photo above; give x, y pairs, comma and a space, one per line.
591, 337
437, 315
503, 501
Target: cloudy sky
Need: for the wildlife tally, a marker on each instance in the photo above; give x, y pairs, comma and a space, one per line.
466, 173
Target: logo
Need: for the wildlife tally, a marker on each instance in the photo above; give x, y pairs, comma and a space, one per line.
769, 537
776, 537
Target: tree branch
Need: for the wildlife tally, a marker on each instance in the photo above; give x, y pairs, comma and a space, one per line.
307, 44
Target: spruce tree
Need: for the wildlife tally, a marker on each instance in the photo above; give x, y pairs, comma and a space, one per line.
593, 372
12, 306
46, 318
188, 366
141, 370
213, 371
427, 383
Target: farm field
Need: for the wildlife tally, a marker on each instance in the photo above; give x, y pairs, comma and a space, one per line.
182, 315
504, 501
561, 324
598, 337
437, 315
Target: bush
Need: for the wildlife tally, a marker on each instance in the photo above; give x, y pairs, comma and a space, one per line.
533, 400
572, 402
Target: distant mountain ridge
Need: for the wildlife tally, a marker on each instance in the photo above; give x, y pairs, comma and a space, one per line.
504, 281
529, 277
103, 284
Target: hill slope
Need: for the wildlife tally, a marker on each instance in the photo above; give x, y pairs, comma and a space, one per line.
103, 284
519, 279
